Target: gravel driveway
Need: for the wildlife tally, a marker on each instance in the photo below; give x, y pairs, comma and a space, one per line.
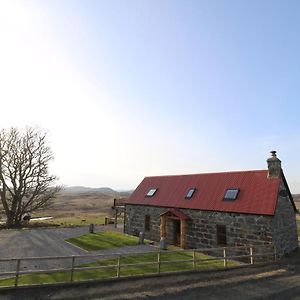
39, 242
50, 242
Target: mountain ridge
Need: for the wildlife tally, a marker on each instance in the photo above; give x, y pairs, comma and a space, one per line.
78, 189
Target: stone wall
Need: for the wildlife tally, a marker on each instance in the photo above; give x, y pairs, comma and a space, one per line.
284, 224
135, 220
241, 229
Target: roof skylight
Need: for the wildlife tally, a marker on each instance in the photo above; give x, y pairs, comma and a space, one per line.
231, 194
151, 192
190, 193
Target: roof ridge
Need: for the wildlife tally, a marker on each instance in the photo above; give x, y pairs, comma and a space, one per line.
208, 173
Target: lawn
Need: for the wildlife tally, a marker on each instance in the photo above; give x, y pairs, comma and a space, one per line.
108, 267
103, 240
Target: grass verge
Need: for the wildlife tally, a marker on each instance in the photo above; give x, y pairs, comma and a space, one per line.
108, 268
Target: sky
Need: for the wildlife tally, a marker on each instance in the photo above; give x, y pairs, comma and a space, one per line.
128, 89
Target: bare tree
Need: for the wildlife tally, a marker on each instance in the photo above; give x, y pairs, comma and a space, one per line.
25, 183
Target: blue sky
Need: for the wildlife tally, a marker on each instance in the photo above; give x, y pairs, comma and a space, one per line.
128, 89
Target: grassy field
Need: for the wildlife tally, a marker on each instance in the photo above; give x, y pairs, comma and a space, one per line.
103, 240
108, 268
76, 209
75, 220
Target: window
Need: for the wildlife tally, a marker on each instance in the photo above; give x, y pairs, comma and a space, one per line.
151, 192
190, 193
231, 194
221, 235
147, 223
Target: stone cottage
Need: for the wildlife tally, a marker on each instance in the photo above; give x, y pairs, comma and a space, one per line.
216, 209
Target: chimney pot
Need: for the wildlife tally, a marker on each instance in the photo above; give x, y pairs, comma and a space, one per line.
273, 153
274, 165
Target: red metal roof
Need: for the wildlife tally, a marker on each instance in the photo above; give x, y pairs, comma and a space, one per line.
257, 193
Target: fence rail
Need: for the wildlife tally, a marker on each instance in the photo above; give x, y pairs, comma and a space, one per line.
79, 263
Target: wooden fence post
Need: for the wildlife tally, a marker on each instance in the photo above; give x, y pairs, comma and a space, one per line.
119, 266
251, 256
116, 218
158, 262
72, 269
225, 257
17, 272
194, 260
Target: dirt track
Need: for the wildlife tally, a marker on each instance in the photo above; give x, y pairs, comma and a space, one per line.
277, 281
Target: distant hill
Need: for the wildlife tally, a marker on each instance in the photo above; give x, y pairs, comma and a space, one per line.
79, 190
84, 189
74, 200
296, 197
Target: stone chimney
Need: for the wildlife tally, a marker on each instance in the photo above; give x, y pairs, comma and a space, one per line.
274, 165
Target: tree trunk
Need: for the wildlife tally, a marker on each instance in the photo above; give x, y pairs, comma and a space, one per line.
12, 220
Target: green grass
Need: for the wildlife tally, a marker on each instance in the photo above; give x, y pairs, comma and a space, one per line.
103, 240
167, 263
166, 266
79, 220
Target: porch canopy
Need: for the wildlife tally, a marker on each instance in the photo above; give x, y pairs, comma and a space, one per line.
174, 213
